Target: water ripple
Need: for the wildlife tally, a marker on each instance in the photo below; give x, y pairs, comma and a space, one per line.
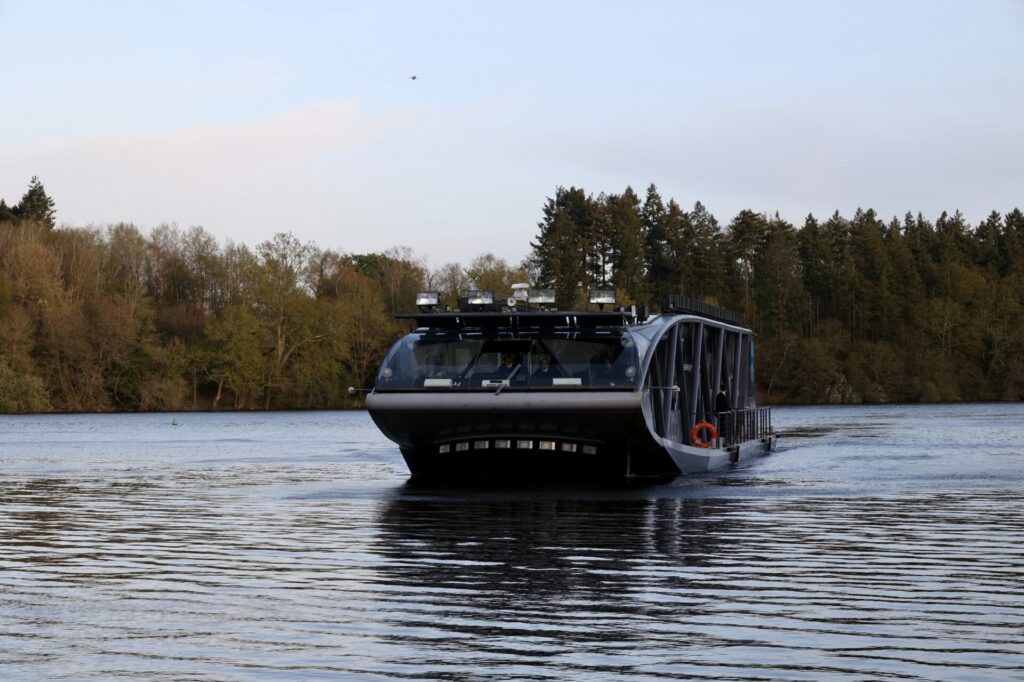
316, 566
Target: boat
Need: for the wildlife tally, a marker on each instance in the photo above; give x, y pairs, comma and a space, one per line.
518, 389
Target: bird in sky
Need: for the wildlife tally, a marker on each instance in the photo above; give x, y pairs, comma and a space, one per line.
412, 78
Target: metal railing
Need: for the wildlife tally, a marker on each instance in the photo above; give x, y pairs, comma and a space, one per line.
739, 426
684, 304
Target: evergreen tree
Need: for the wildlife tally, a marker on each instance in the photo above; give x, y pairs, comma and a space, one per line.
815, 259
563, 257
778, 280
627, 240
7, 214
1013, 243
599, 272
35, 206
780, 301
920, 236
870, 287
659, 254
746, 235
679, 263
988, 253
953, 239
709, 260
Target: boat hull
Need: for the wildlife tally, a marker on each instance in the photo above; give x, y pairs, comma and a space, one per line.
693, 460
599, 434
529, 435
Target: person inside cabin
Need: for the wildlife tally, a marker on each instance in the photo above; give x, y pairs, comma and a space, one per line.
603, 370
432, 367
437, 366
545, 372
509, 363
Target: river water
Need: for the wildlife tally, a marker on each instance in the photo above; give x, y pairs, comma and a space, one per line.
878, 543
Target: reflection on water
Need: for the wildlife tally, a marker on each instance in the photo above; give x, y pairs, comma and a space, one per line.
744, 589
837, 558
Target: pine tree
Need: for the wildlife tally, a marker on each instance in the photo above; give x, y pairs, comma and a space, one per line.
987, 252
1013, 242
747, 234
708, 280
870, 276
628, 246
564, 253
658, 252
36, 206
7, 214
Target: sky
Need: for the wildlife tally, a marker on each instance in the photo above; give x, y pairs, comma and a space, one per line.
252, 118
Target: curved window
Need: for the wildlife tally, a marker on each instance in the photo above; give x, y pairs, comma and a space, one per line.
479, 362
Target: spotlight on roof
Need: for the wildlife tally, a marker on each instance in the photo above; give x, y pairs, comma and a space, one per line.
602, 296
521, 292
479, 297
542, 296
428, 300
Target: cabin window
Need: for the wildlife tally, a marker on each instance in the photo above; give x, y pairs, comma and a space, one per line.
476, 362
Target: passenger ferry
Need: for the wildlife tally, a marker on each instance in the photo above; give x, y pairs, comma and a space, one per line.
517, 389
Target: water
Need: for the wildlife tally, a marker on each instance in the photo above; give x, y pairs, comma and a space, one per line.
877, 543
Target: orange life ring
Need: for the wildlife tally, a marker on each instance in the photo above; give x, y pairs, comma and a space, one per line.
695, 434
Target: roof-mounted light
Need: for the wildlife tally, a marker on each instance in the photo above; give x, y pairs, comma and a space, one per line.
602, 296
542, 296
521, 292
428, 299
479, 297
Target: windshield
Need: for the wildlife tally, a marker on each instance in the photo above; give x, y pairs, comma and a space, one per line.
476, 362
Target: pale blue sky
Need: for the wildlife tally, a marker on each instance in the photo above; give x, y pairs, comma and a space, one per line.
251, 118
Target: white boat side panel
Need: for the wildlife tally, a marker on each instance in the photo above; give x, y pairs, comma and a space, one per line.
691, 460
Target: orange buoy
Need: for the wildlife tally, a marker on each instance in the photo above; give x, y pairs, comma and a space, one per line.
696, 432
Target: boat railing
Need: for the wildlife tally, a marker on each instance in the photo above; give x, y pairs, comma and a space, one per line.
739, 426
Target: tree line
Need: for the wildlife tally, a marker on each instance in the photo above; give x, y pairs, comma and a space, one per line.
847, 309
97, 319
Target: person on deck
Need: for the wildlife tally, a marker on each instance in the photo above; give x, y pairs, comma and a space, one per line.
722, 401
723, 410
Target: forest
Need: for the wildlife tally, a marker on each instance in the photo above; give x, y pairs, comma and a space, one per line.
848, 309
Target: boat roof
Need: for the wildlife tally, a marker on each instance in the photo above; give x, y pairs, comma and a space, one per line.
494, 316
521, 320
